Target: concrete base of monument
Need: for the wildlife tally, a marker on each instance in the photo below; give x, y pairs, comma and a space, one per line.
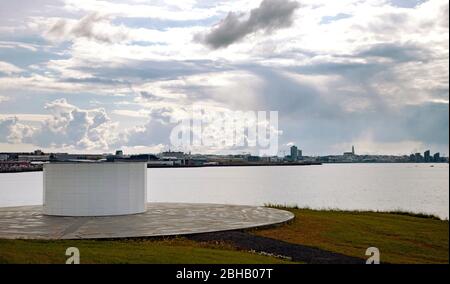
161, 219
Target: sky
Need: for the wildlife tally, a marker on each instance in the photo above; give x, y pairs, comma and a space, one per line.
96, 76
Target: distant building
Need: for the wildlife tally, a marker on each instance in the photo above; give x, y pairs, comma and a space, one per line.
144, 157
300, 154
160, 163
352, 153
119, 153
418, 157
198, 161
34, 158
171, 154
253, 159
274, 159
427, 156
294, 153
4, 157
437, 157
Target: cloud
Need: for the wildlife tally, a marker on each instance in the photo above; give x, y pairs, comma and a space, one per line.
173, 10
26, 116
94, 26
11, 131
4, 99
397, 52
8, 68
156, 131
75, 127
149, 96
337, 71
132, 113
269, 16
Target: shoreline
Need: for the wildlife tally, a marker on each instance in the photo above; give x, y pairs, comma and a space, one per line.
241, 165
149, 166
20, 171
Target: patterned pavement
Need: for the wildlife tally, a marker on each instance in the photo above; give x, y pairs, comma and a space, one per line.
161, 219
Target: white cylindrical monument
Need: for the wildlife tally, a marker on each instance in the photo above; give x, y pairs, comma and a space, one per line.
95, 189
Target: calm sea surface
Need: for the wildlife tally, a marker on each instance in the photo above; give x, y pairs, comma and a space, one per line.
410, 187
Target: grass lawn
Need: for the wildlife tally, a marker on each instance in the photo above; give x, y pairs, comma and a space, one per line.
400, 238
168, 251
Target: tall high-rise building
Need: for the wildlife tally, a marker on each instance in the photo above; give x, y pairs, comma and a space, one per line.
353, 150
427, 156
294, 153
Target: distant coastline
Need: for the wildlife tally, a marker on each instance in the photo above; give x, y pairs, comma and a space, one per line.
237, 165
12, 171
11, 162
153, 166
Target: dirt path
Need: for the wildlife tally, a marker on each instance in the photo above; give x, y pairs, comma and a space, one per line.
300, 253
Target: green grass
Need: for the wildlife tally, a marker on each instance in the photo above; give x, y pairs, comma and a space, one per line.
169, 251
401, 237
397, 212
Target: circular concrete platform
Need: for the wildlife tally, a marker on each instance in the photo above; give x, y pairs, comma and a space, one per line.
161, 219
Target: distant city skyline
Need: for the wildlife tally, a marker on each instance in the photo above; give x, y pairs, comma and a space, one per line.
97, 76
294, 153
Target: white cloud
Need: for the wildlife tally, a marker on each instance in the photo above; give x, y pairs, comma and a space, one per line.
70, 125
67, 127
14, 44
169, 10
4, 99
26, 116
8, 68
11, 131
132, 113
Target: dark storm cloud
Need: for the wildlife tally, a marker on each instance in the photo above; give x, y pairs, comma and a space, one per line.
85, 28
427, 122
315, 121
269, 16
